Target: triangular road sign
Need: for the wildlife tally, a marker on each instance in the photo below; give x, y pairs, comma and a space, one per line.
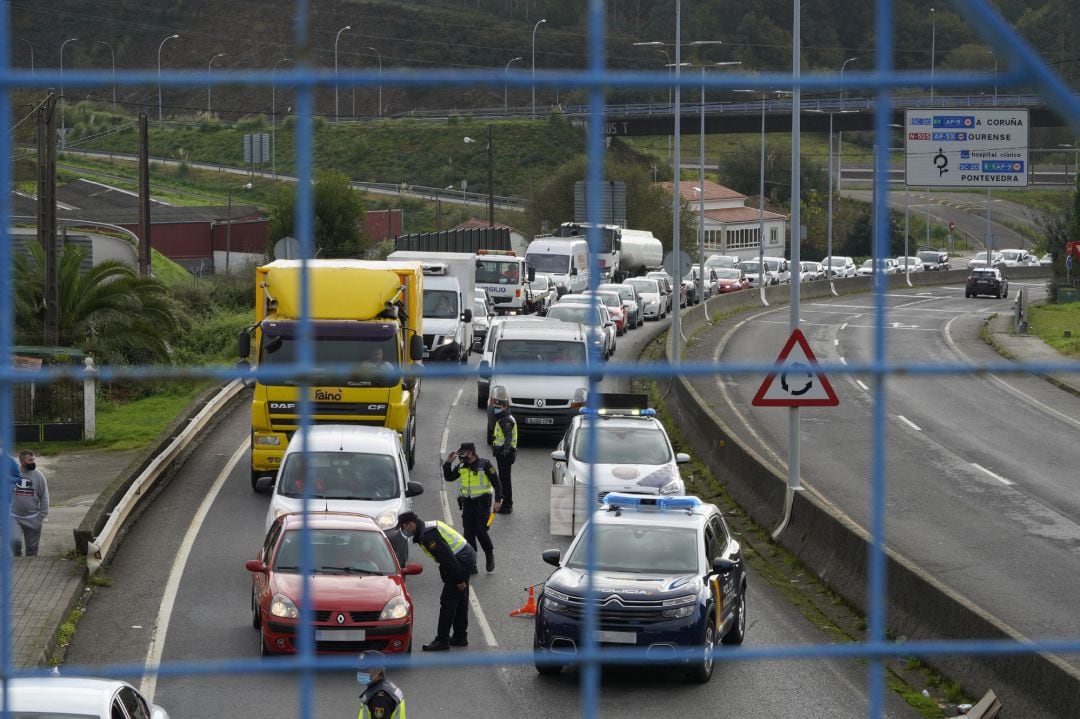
798, 383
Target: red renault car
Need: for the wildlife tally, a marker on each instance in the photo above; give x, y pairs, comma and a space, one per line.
359, 600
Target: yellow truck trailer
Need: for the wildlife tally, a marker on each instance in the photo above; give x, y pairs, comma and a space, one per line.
365, 315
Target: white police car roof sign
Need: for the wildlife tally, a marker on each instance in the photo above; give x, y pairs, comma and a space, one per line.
798, 383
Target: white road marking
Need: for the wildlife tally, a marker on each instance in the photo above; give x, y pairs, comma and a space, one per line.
176, 572
909, 423
998, 477
836, 341
862, 384
842, 327
842, 360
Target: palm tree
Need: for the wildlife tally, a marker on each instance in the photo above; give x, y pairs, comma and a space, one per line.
108, 311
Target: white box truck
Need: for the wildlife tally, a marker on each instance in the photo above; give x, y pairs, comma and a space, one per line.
449, 287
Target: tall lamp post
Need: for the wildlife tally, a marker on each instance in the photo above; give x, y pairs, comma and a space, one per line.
113, 55
538, 24
933, 48
506, 73
273, 116
208, 66
994, 55
840, 136
63, 142
337, 116
160, 116
228, 225
490, 174
378, 55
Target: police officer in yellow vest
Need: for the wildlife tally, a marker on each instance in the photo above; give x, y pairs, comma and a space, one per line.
382, 699
479, 484
456, 560
504, 446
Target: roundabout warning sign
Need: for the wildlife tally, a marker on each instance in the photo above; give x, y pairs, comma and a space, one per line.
798, 383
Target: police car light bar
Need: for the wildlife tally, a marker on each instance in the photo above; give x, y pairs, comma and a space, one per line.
614, 412
617, 500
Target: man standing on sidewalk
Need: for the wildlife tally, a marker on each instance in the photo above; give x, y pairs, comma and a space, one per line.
29, 504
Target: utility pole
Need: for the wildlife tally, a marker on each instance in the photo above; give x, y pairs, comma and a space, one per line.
491, 177
144, 197
46, 216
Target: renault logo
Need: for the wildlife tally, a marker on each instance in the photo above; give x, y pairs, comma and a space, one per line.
539, 402
340, 618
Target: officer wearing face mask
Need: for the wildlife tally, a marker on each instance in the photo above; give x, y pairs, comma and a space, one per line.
382, 699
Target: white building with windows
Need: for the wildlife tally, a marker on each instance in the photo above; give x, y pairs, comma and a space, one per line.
732, 228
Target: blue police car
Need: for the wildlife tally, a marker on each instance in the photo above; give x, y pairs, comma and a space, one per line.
669, 579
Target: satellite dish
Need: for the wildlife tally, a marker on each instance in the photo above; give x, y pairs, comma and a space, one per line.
683, 264
287, 248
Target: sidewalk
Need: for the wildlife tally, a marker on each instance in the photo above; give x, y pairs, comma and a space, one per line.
48, 587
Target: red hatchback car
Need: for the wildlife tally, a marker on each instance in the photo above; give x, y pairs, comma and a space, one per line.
731, 279
357, 588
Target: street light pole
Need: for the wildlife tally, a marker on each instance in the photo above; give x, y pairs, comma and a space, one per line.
506, 73
208, 66
933, 48
63, 133
379, 55
160, 116
113, 55
273, 116
840, 135
337, 116
994, 55
538, 23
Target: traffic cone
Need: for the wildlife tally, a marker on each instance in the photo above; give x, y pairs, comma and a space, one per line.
529, 609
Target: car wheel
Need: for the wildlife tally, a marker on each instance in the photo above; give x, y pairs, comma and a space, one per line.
256, 617
547, 670
967, 294
264, 651
255, 474
481, 399
701, 671
998, 295
1006, 294
737, 633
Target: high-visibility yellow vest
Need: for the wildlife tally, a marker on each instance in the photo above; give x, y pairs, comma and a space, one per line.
398, 713
500, 436
451, 535
474, 483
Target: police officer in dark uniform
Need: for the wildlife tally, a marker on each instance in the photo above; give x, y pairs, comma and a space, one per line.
505, 441
456, 560
382, 699
479, 483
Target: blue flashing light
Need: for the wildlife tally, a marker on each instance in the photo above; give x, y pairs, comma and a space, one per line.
614, 500
614, 412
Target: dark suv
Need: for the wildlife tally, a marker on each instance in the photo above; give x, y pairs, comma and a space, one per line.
986, 281
934, 260
668, 575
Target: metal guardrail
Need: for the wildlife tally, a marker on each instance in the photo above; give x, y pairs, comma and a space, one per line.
99, 549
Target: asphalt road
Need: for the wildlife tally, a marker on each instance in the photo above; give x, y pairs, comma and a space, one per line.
981, 490
198, 612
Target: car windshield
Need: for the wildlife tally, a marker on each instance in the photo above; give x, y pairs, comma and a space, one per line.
540, 283
750, 268
623, 445
645, 286
440, 304
836, 261
584, 314
539, 351
629, 548
729, 274
496, 272
721, 261
929, 256
547, 262
610, 299
1011, 255
480, 308
337, 551
340, 475
625, 292
984, 274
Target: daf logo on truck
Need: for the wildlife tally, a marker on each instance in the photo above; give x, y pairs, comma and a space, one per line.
328, 395
280, 406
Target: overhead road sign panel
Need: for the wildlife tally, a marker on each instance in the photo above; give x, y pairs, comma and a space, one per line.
798, 383
962, 147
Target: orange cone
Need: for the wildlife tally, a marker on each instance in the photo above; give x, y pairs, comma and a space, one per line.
529, 609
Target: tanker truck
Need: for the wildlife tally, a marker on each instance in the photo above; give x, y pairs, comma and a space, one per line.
623, 252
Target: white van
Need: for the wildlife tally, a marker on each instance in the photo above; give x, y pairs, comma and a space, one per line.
564, 259
541, 402
779, 268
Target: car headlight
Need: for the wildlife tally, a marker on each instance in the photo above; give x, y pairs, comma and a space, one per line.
268, 440
396, 608
556, 601
675, 486
445, 339
581, 396
386, 520
678, 612
680, 607
282, 606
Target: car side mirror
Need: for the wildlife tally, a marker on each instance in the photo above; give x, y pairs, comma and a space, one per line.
573, 271
413, 488
412, 568
255, 565
552, 557
530, 272
682, 458
466, 316
416, 348
722, 565
558, 455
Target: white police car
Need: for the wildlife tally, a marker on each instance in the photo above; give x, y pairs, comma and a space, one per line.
633, 453
668, 580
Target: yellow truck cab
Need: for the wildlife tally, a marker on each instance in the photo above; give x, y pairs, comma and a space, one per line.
366, 321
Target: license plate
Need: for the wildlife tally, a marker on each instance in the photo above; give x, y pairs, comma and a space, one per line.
539, 420
616, 637
340, 635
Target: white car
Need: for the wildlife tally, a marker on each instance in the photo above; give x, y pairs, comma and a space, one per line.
884, 265
354, 468
1018, 258
481, 320
809, 271
80, 697
654, 306
839, 267
632, 303
542, 294
979, 260
909, 264
633, 454
752, 271
589, 312
779, 268
725, 262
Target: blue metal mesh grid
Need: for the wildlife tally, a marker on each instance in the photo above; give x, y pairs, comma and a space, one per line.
1025, 69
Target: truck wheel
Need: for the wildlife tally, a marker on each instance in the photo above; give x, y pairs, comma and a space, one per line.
255, 475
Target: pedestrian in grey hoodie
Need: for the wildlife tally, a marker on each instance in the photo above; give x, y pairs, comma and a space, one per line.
29, 504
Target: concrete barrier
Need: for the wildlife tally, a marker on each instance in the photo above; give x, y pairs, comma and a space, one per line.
918, 606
